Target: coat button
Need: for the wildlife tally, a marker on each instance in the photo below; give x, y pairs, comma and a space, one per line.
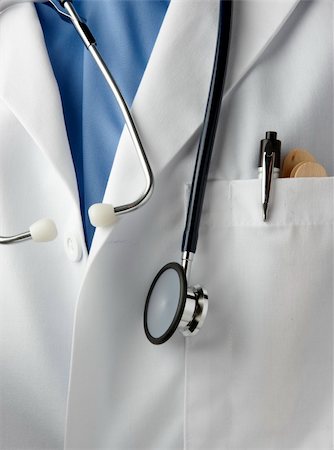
73, 247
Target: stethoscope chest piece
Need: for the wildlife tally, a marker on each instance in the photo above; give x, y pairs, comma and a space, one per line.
171, 305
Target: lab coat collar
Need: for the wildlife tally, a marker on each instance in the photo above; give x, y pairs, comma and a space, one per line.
29, 89
4, 4
170, 103
255, 24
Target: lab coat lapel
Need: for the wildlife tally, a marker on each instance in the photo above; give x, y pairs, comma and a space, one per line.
29, 89
170, 103
255, 25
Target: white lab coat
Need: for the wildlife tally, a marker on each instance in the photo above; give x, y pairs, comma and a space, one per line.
259, 374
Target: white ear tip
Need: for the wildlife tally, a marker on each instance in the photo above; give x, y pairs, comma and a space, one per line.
43, 230
102, 215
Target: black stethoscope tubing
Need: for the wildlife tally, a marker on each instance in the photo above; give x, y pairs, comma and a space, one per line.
205, 147
192, 302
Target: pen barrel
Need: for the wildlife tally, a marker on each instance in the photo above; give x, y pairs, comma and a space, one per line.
276, 172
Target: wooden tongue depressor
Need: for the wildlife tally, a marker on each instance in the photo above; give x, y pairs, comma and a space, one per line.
293, 171
294, 157
310, 169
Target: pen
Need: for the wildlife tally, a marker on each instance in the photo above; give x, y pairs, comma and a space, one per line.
268, 166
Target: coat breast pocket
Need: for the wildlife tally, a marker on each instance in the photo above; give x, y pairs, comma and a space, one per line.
259, 374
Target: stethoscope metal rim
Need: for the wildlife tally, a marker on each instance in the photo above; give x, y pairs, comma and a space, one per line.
180, 308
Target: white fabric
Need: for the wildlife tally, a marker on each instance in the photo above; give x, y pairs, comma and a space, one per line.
39, 284
259, 374
4, 4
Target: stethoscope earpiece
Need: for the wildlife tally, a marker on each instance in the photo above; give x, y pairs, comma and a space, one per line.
171, 305
44, 230
102, 215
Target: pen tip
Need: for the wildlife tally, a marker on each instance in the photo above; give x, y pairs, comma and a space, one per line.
265, 206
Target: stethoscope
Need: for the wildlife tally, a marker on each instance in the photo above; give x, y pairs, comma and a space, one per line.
170, 303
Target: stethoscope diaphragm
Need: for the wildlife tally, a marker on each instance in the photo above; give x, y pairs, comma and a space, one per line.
171, 305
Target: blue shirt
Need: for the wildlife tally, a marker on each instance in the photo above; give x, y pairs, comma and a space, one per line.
125, 32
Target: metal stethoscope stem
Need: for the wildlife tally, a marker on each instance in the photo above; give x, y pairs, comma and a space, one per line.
16, 238
90, 43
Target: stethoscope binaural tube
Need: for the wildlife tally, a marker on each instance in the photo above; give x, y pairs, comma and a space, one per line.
170, 303
103, 214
